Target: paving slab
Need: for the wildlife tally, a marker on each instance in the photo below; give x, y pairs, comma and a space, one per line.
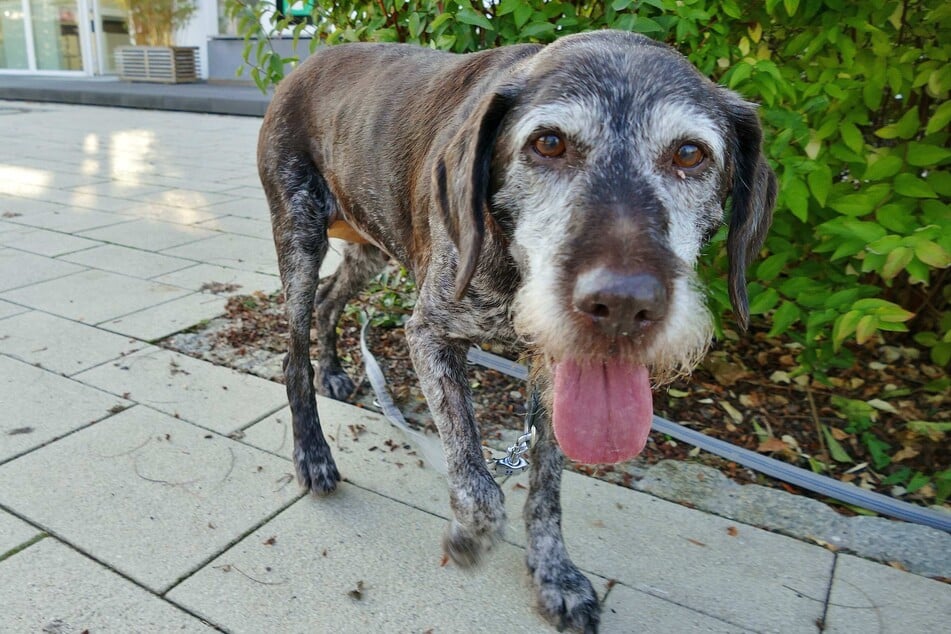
94, 296
51, 588
155, 498
252, 227
71, 219
870, 597
160, 321
188, 198
221, 280
8, 310
212, 396
19, 268
39, 406
149, 234
61, 345
48, 243
13, 207
128, 261
234, 251
308, 564
252, 208
169, 213
702, 562
14, 534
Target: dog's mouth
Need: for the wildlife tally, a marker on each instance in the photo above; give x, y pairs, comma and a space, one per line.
602, 409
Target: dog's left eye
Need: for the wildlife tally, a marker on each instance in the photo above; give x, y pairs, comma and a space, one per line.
549, 145
688, 155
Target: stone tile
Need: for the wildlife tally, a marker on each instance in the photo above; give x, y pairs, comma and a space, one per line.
185, 198
14, 533
72, 220
40, 406
94, 296
197, 391
168, 213
610, 531
322, 548
10, 231
627, 610
60, 345
207, 276
134, 262
871, 597
8, 310
18, 268
50, 587
155, 498
168, 318
48, 243
251, 227
688, 557
252, 191
15, 207
237, 252
118, 189
369, 452
150, 235
253, 208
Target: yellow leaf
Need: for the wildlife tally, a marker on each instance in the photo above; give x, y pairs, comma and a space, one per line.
756, 31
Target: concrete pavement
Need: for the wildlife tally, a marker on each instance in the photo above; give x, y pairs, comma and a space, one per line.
145, 491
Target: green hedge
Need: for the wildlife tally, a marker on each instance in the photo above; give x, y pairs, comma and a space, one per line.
854, 102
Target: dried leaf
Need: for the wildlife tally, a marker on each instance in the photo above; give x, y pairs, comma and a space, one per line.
356, 593
732, 531
732, 411
881, 405
905, 453
772, 444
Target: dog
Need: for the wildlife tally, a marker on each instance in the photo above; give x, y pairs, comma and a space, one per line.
553, 197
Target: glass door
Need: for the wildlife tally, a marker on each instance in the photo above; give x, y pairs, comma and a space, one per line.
46, 36
13, 45
111, 21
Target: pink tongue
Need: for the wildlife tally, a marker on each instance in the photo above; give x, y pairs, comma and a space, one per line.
602, 410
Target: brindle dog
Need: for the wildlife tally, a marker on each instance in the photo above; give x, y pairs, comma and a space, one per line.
553, 197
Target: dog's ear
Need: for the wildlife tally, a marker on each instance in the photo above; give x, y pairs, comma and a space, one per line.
461, 180
753, 191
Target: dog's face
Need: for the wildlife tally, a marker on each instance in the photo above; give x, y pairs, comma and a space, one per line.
606, 162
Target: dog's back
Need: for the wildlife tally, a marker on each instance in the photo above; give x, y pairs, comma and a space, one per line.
366, 96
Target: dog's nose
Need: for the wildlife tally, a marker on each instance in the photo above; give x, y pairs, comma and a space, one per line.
619, 303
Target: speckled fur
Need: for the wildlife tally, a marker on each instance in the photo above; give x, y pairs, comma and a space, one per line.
427, 155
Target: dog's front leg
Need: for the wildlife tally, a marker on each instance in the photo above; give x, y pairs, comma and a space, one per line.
565, 596
476, 499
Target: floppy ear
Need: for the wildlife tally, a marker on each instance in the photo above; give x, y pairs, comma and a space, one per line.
461, 181
754, 195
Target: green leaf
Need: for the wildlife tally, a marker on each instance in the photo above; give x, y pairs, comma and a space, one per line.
866, 328
940, 119
852, 137
538, 29
896, 262
646, 25
913, 187
844, 326
522, 14
764, 301
904, 128
836, 450
925, 155
885, 167
796, 196
820, 182
785, 316
467, 15
771, 267
791, 6
932, 254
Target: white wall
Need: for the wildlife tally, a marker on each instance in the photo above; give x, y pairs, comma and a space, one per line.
203, 25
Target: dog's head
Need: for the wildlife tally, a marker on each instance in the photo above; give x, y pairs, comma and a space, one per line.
605, 160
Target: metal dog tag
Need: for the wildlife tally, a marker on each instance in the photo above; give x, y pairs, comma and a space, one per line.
510, 465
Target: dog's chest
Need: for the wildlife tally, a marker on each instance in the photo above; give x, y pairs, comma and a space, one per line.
483, 318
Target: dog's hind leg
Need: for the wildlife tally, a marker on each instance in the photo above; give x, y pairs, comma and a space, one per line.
301, 205
565, 596
360, 263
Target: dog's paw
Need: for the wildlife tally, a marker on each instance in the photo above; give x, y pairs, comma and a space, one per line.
566, 598
335, 384
479, 509
316, 470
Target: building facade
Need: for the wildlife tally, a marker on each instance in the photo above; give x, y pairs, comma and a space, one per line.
79, 37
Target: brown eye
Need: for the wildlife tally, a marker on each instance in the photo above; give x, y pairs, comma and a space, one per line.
549, 145
688, 155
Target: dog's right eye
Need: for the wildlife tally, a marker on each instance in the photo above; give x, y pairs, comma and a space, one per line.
549, 145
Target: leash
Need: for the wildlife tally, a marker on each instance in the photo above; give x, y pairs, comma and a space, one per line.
514, 461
